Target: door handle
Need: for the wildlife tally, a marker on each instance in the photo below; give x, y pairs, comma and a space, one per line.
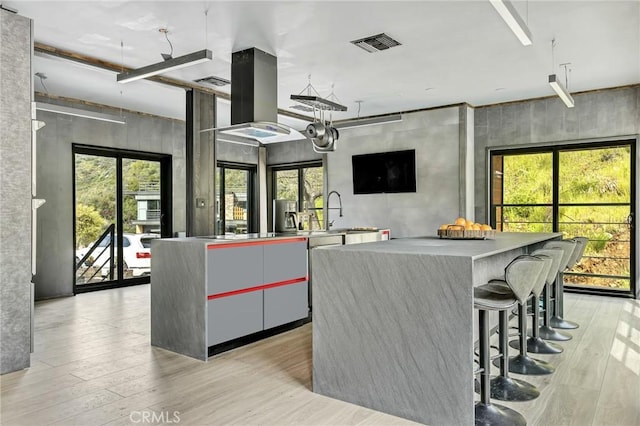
630, 220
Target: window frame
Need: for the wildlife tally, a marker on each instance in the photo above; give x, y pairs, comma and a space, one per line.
299, 167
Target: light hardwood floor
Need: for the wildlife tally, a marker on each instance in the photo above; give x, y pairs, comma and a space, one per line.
93, 365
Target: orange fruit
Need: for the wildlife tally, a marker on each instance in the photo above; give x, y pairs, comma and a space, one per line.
485, 227
460, 221
444, 226
477, 227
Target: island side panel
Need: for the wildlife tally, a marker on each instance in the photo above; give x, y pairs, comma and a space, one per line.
178, 297
393, 332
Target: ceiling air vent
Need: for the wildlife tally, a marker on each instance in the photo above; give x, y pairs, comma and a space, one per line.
376, 43
213, 80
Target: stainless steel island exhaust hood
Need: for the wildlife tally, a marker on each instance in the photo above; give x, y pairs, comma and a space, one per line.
254, 101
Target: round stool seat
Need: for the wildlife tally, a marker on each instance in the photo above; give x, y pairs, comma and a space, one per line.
493, 297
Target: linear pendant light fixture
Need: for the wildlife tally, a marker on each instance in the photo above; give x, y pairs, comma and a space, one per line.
513, 20
166, 66
561, 91
59, 109
362, 122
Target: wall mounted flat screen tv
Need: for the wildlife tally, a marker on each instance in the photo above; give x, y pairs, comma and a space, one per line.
384, 172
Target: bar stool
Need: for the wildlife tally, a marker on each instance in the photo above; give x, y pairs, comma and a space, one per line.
489, 297
522, 363
534, 343
556, 320
545, 331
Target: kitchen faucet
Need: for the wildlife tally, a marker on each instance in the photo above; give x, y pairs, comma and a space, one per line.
328, 224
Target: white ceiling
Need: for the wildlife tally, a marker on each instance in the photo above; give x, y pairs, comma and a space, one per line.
451, 52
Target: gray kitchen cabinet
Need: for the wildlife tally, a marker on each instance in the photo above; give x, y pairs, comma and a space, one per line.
285, 268
210, 295
232, 267
234, 309
285, 260
234, 316
285, 304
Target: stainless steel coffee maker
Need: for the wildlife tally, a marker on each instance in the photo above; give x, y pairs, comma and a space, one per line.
286, 216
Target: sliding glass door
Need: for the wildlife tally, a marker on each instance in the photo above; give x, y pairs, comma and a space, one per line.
122, 202
579, 190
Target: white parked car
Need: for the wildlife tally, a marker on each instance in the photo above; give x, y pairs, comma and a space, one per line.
136, 249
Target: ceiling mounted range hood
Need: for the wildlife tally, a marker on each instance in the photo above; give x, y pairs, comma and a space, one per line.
254, 101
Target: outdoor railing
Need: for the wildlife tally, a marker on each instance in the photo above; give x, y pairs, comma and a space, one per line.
607, 258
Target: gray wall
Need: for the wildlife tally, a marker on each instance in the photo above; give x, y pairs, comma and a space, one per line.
55, 246
601, 114
613, 113
291, 152
435, 135
16, 49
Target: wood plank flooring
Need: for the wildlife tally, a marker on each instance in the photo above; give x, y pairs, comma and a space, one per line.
93, 365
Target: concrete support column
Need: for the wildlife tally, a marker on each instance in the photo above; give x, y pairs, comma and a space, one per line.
201, 164
466, 164
16, 50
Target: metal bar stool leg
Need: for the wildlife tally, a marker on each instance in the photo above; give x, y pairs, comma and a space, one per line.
534, 343
575, 254
556, 321
546, 332
522, 363
487, 413
503, 387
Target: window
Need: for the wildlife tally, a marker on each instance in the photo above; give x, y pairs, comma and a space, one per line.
304, 184
578, 190
235, 208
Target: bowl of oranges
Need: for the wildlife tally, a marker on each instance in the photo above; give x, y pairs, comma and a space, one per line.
466, 229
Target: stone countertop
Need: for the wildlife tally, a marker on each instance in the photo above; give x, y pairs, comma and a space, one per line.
222, 239
432, 245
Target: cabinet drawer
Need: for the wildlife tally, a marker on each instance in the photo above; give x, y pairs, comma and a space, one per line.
233, 268
285, 261
285, 304
234, 316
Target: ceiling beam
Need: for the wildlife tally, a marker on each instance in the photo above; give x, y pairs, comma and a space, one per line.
45, 49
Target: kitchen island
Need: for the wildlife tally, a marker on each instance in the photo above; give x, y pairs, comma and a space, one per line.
393, 321
209, 291
213, 293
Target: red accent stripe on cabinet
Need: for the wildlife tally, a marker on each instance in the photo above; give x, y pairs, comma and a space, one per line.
257, 288
255, 243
